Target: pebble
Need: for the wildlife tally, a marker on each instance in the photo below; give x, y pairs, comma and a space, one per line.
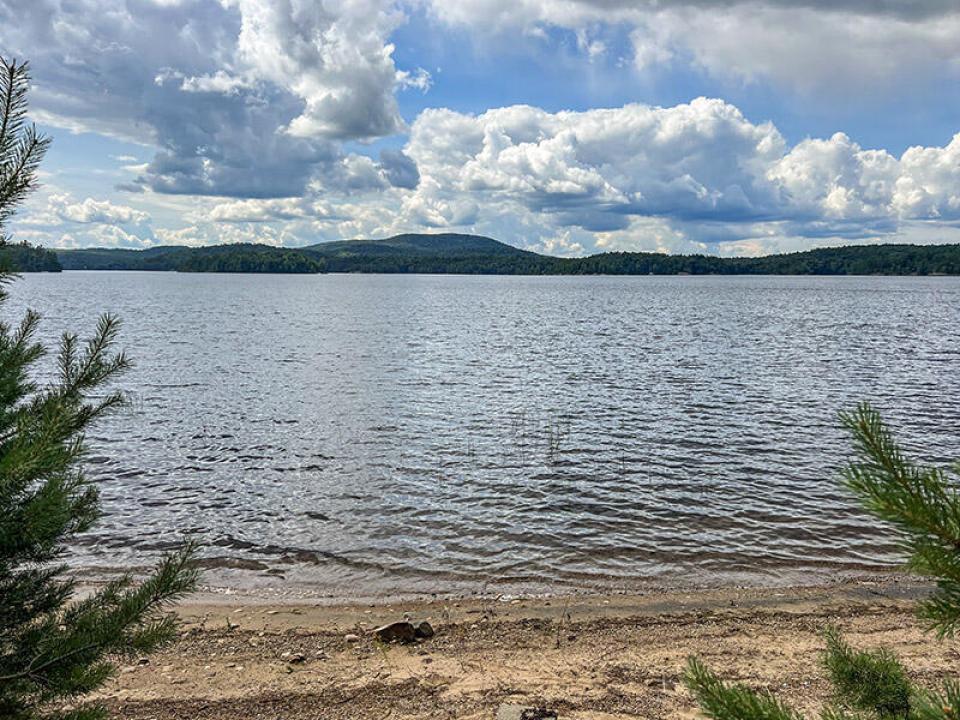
351, 638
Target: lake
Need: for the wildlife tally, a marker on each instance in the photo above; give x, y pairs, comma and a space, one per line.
359, 436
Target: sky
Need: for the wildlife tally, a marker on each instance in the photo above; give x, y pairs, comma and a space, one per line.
568, 127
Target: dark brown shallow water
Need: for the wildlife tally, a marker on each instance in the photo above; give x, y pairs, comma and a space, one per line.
357, 436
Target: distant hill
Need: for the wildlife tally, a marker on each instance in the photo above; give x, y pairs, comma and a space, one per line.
476, 255
437, 245
340, 256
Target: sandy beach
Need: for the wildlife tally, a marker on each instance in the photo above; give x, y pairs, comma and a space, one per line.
588, 658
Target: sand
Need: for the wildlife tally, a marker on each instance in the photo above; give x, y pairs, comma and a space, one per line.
588, 658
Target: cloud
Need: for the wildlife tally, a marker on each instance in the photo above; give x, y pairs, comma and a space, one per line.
259, 211
97, 211
241, 98
805, 46
220, 82
806, 50
562, 245
420, 79
55, 218
701, 166
61, 208
594, 168
269, 107
929, 184
400, 170
333, 56
560, 12
229, 233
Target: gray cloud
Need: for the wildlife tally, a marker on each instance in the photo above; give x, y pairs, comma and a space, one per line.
213, 144
905, 9
244, 99
571, 12
867, 49
400, 169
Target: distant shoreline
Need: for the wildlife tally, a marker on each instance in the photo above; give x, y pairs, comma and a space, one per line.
450, 254
531, 275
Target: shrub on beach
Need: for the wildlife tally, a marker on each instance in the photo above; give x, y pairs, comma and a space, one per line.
923, 505
55, 649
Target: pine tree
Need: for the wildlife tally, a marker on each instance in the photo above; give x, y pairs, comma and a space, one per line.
55, 649
923, 506
21, 146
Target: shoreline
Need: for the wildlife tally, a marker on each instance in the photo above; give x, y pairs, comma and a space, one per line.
232, 590
590, 657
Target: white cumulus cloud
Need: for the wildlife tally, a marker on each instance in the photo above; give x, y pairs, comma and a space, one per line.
702, 166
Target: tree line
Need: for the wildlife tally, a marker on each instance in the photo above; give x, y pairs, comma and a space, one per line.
22, 257
891, 259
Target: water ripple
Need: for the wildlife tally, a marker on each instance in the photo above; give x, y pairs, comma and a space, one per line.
364, 435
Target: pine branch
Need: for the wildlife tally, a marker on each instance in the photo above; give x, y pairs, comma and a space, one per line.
14, 80
874, 682
54, 649
944, 705
732, 702
920, 502
115, 621
18, 170
22, 147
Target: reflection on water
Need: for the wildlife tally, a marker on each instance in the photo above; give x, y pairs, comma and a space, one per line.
364, 435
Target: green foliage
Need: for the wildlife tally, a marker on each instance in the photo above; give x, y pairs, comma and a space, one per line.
21, 150
21, 146
866, 684
21, 257
920, 502
938, 705
732, 702
54, 649
874, 682
472, 255
923, 505
249, 259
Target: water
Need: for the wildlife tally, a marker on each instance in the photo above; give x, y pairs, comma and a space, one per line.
360, 436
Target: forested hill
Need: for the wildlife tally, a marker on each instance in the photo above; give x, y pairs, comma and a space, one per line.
437, 244
468, 254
